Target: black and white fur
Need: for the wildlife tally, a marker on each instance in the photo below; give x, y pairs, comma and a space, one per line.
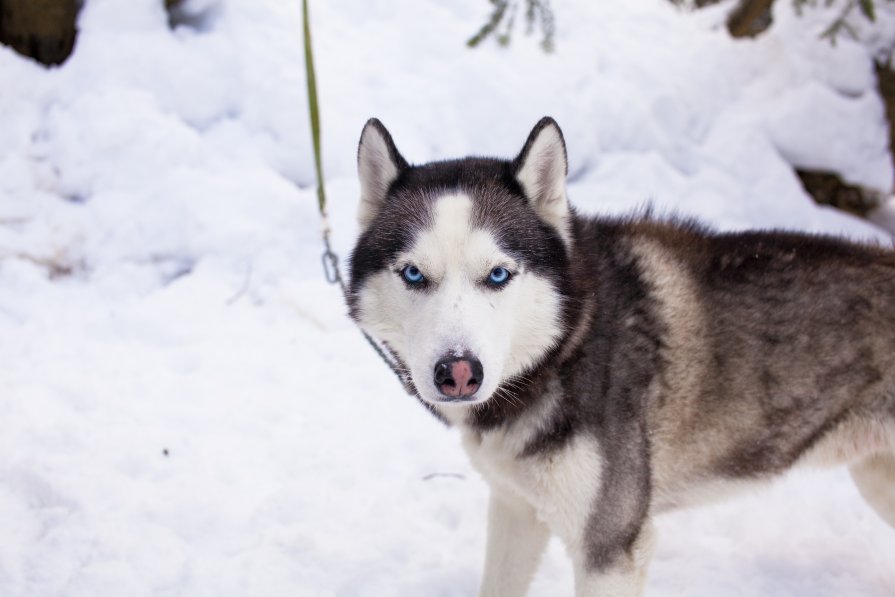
626, 367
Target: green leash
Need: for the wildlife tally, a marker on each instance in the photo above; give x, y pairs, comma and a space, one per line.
330, 258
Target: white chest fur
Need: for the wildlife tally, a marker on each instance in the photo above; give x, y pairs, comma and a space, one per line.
562, 486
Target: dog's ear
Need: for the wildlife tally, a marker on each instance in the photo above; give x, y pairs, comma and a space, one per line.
541, 168
378, 165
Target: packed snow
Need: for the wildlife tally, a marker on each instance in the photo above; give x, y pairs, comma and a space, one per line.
186, 409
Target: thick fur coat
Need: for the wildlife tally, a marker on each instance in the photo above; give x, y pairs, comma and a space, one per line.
602, 371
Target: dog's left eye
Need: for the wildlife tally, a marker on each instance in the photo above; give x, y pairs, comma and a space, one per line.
499, 276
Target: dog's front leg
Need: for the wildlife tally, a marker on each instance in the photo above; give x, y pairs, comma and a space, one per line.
621, 574
516, 541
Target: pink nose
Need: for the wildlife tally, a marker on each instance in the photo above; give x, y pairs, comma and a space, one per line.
458, 377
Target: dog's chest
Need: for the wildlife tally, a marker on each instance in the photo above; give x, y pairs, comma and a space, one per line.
561, 485
497, 455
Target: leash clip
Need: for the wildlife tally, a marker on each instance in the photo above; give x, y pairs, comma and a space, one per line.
330, 266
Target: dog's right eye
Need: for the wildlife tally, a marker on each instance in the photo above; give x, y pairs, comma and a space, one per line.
412, 275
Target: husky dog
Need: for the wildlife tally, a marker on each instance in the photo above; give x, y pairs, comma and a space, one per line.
603, 371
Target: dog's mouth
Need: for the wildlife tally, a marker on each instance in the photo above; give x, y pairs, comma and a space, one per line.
450, 400
458, 399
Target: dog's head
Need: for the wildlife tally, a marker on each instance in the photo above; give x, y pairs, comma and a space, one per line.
461, 265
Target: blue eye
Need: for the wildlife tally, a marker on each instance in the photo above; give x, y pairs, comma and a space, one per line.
499, 276
412, 274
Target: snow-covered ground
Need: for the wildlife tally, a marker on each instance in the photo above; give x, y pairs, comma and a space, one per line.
184, 407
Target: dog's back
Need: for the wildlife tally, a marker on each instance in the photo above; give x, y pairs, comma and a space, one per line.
779, 348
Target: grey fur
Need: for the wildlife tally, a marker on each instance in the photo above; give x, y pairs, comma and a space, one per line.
692, 358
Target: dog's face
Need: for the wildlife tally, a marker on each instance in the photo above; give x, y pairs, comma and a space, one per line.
460, 265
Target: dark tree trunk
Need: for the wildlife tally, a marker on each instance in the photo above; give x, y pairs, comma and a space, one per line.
750, 18
828, 189
40, 29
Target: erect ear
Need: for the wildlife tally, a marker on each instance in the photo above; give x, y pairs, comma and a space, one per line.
541, 169
378, 165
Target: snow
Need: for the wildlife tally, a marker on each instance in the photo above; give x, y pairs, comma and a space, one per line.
186, 408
